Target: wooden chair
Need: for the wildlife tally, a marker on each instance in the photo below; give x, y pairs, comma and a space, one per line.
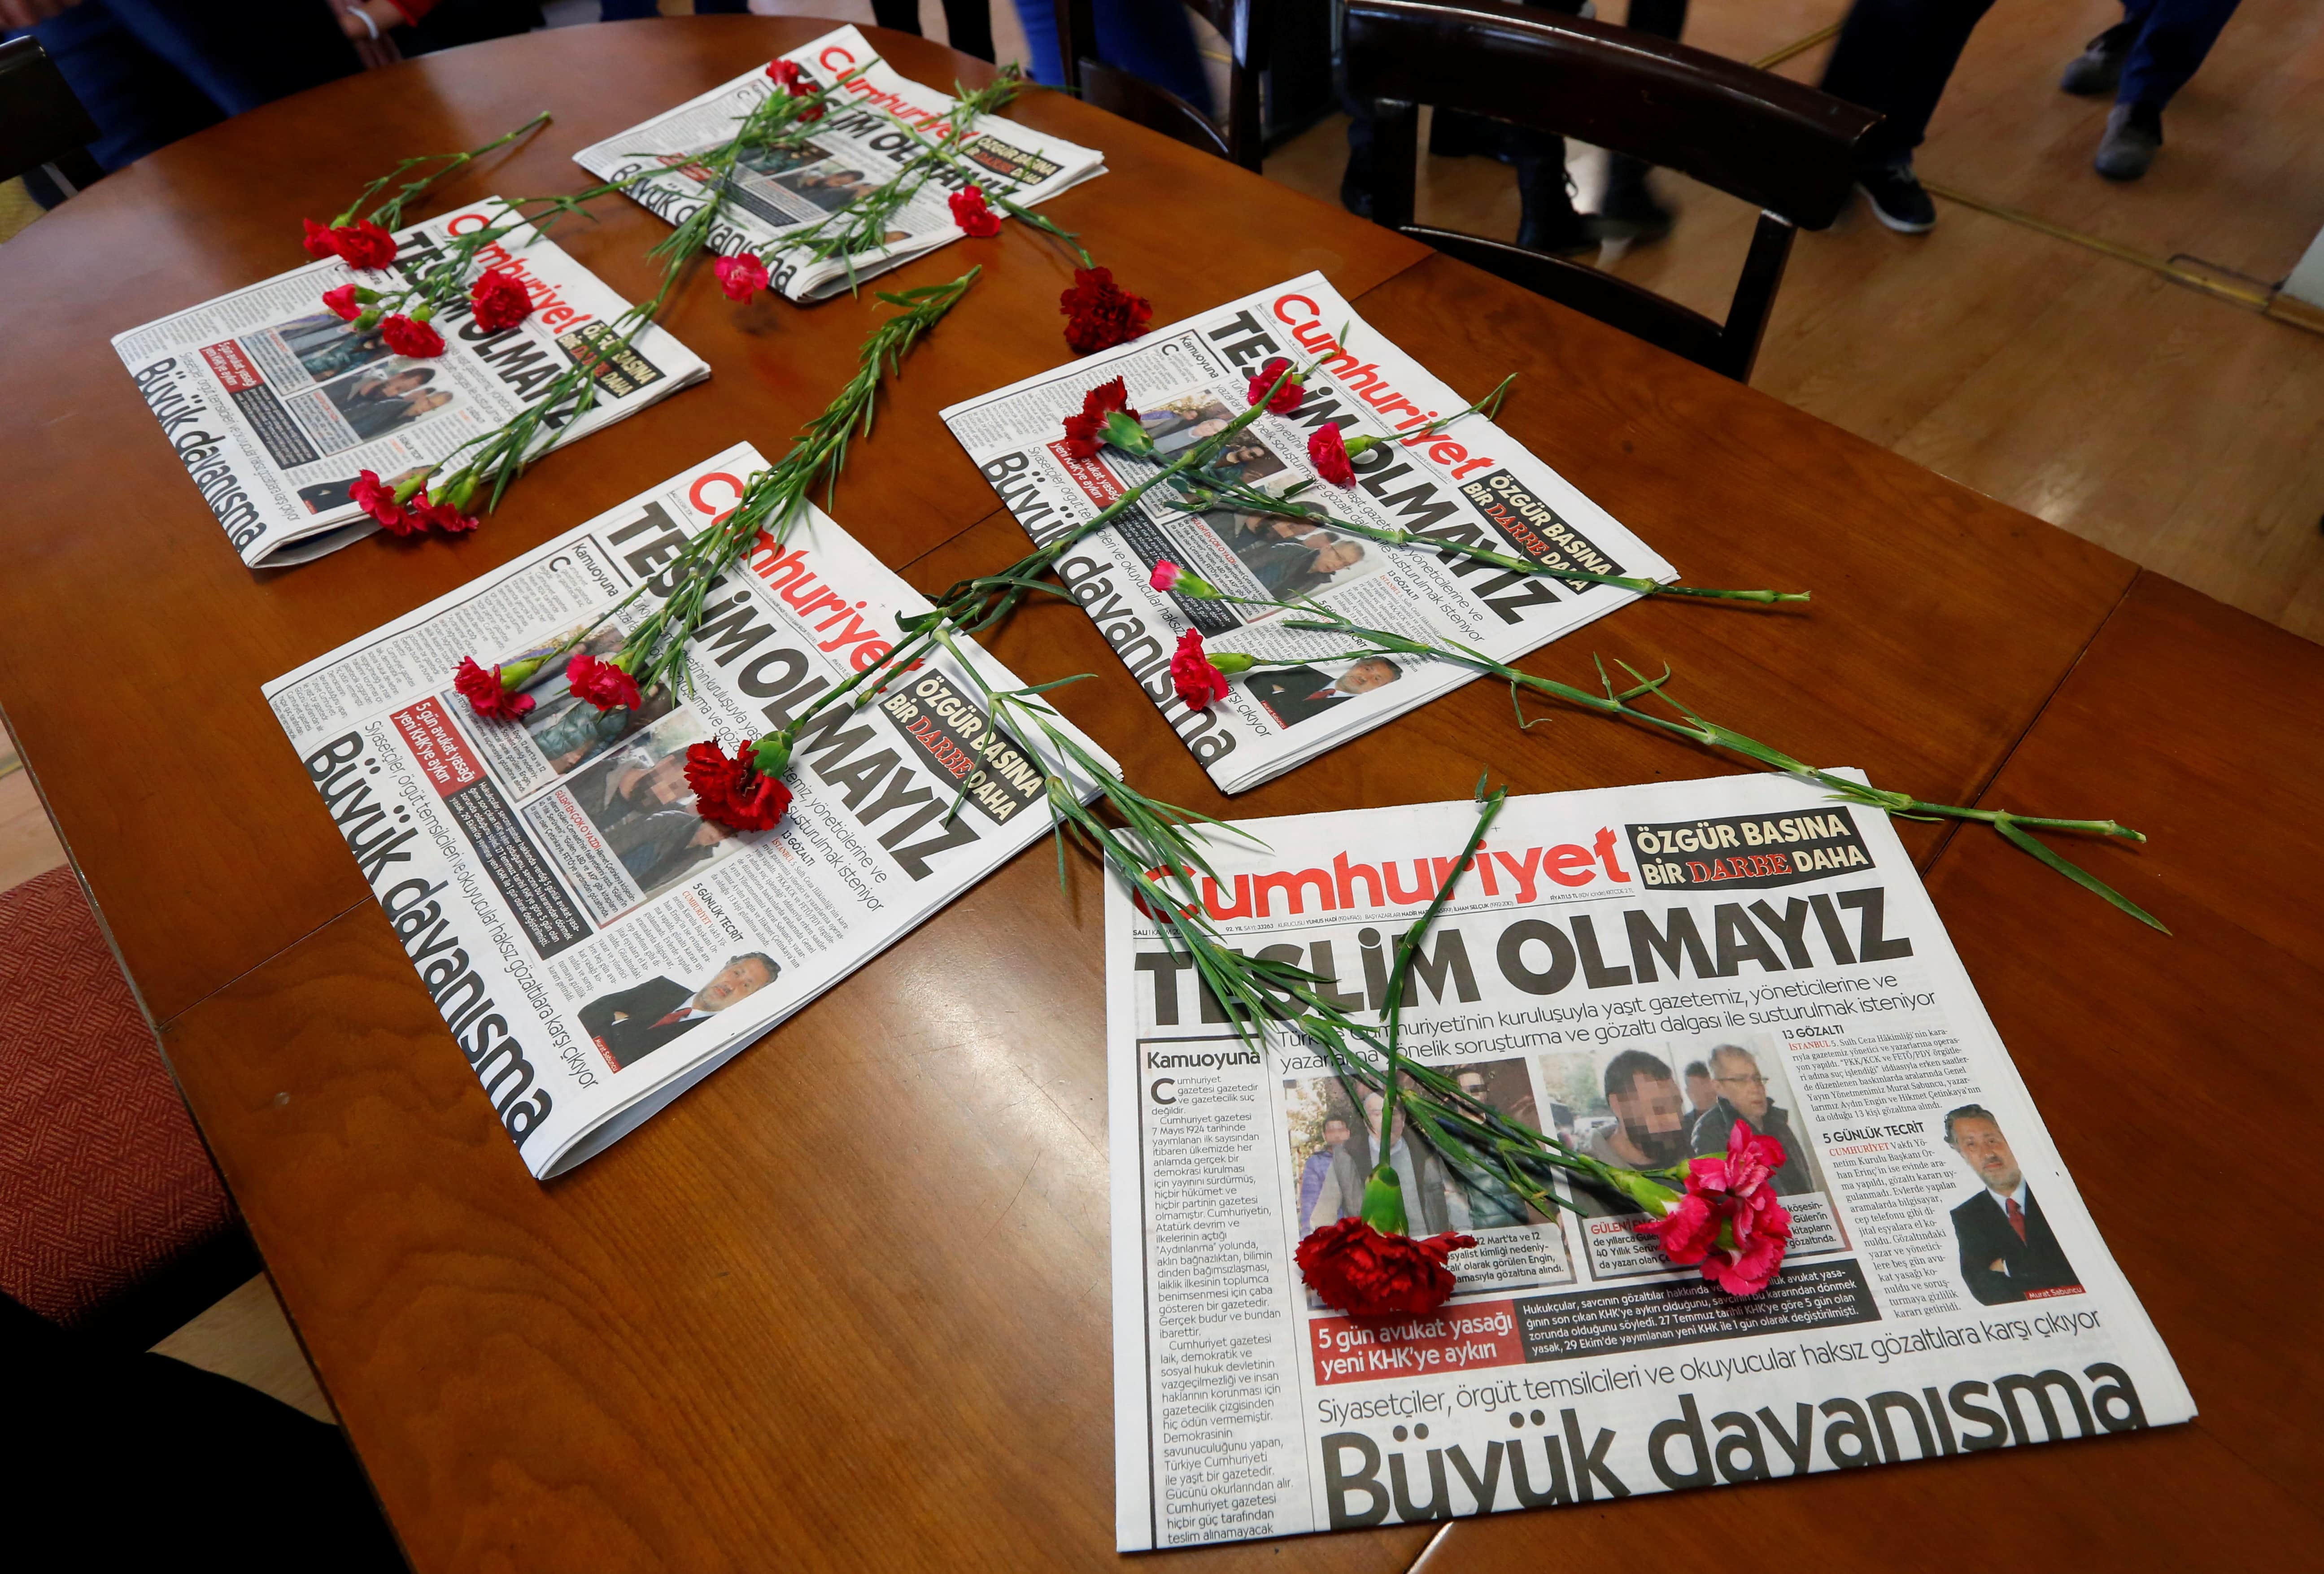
41, 123
1245, 24
1785, 147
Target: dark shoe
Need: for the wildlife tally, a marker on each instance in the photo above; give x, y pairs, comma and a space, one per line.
2134, 133
2097, 70
1897, 199
1454, 133
1566, 235
1628, 211
1356, 191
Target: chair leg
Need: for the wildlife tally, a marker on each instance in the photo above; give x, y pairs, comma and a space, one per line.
1396, 168
1754, 295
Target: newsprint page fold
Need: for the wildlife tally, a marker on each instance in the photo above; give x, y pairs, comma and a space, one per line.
872, 128
274, 405
1470, 483
1632, 969
595, 946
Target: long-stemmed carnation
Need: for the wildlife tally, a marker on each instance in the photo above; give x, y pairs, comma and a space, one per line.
1691, 725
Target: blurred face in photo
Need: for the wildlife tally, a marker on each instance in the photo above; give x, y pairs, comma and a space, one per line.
1740, 1084
1701, 1092
1986, 1153
1373, 1105
1653, 1118
1335, 1133
738, 978
1365, 676
1473, 1085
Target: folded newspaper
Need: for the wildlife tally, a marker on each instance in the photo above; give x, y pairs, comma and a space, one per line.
274, 404
1469, 484
1634, 970
775, 193
594, 944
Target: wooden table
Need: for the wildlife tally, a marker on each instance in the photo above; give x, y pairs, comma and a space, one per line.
846, 1305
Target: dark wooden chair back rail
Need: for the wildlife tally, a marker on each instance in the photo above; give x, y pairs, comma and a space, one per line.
1245, 24
1785, 147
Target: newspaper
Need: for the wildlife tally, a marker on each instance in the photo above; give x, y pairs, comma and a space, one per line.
858, 145
595, 946
1632, 969
274, 404
1470, 483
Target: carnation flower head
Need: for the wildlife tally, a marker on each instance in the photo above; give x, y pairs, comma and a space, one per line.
1728, 1221
791, 78
1101, 313
378, 500
1088, 432
486, 693
606, 685
1199, 682
1286, 398
1361, 1270
732, 792
499, 300
973, 214
741, 277
409, 336
361, 244
343, 302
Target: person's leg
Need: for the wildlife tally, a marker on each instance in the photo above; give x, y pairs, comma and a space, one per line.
722, 7
2171, 46
138, 100
627, 10
1628, 211
1895, 57
2097, 70
246, 54
968, 24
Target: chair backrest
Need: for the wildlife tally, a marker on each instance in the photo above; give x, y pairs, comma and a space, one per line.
1774, 142
1245, 24
41, 121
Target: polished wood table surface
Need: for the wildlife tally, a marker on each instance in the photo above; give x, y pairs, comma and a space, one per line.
845, 1305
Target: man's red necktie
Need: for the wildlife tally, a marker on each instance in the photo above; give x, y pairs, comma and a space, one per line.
2017, 1217
674, 1015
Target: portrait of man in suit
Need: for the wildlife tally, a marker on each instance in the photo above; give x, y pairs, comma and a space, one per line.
1742, 1095
2008, 1252
1292, 695
630, 1024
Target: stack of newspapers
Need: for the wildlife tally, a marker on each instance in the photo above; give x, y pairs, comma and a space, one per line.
1470, 483
595, 946
876, 124
275, 405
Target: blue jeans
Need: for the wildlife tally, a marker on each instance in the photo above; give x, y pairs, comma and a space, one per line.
2173, 37
1149, 39
151, 71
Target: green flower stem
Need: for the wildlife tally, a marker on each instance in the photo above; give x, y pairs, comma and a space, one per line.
943, 153
389, 215
1694, 728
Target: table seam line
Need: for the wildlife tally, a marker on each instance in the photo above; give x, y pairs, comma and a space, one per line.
267, 960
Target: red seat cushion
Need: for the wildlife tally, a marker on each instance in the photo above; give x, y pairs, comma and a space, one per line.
103, 1183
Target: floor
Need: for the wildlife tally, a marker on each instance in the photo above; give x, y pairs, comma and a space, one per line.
2181, 431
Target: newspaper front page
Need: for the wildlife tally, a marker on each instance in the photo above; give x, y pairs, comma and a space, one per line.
1469, 484
594, 944
1632, 969
858, 145
274, 404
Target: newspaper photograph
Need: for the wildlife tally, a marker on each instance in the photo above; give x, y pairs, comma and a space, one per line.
1633, 970
594, 945
275, 405
856, 147
1468, 483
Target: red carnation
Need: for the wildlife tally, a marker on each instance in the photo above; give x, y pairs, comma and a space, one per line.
1086, 432
1330, 451
499, 300
377, 499
788, 76
362, 243
1363, 1273
1103, 313
975, 218
1198, 682
1286, 397
730, 792
484, 693
445, 517
407, 337
319, 241
740, 277
1730, 1220
343, 302
602, 683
